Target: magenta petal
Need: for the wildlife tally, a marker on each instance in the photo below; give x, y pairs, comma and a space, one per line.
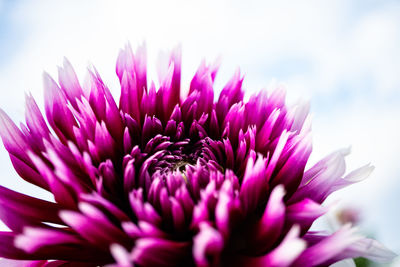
16, 221
22, 263
129, 101
7, 248
232, 93
254, 185
105, 205
34, 208
121, 255
367, 248
79, 255
207, 246
264, 134
63, 194
291, 172
103, 235
169, 253
69, 82
317, 181
351, 178
28, 172
270, 225
103, 142
283, 255
304, 213
171, 93
33, 239
328, 247
58, 115
34, 119
13, 139
227, 209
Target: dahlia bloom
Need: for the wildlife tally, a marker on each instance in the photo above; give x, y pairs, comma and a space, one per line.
170, 179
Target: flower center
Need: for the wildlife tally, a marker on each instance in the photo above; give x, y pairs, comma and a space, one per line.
181, 165
174, 157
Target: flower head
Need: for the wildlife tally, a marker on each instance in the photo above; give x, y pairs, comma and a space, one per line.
167, 179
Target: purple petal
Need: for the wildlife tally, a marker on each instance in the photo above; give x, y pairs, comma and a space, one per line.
207, 246
129, 101
367, 248
34, 208
232, 93
69, 82
169, 253
269, 227
34, 118
283, 255
63, 194
121, 255
13, 139
328, 247
103, 235
227, 209
58, 114
254, 185
28, 172
291, 172
304, 213
33, 239
318, 180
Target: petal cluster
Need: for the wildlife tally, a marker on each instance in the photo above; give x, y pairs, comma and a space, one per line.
165, 178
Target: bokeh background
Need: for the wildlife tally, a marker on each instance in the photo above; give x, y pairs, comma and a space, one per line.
343, 56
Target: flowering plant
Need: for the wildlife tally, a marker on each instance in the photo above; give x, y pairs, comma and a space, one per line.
167, 179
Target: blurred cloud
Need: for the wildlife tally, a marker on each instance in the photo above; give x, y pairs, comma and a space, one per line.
342, 55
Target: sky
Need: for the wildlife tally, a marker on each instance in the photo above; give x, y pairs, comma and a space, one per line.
343, 56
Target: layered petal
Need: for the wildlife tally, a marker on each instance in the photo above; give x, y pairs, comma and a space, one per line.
169, 253
171, 175
283, 255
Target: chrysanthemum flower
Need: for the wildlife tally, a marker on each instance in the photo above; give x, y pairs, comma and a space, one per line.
169, 179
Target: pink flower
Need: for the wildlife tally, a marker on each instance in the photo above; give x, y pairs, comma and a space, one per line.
165, 179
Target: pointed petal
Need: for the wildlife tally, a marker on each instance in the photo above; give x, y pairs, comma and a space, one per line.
232, 93
68, 253
63, 194
317, 181
268, 229
102, 236
13, 139
207, 246
34, 238
254, 185
28, 172
34, 118
121, 255
69, 82
328, 247
58, 114
291, 173
283, 255
129, 101
227, 209
353, 177
367, 248
7, 248
304, 213
169, 253
35, 208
